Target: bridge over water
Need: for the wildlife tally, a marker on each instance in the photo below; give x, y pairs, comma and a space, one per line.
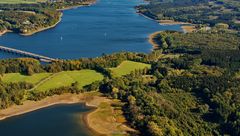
27, 54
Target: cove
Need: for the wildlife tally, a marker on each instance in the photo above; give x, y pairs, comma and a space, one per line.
57, 120
106, 27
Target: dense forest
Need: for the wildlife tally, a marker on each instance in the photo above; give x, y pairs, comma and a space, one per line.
30, 18
210, 12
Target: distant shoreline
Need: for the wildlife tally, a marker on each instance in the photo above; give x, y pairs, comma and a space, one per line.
185, 26
78, 6
52, 26
44, 28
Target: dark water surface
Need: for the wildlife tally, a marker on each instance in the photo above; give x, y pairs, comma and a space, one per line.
106, 27
58, 120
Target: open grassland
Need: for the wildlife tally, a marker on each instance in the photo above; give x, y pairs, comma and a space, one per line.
17, 77
66, 78
126, 67
20, 1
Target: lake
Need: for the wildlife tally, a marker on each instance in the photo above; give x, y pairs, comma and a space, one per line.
58, 120
105, 27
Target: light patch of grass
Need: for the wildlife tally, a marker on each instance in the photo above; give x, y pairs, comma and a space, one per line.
126, 67
208, 70
108, 118
170, 56
20, 1
17, 77
66, 78
237, 75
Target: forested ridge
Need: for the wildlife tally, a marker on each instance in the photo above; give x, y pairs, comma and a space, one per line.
203, 12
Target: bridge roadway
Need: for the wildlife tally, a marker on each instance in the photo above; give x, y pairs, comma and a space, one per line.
27, 54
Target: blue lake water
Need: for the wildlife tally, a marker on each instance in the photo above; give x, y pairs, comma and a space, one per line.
58, 120
105, 27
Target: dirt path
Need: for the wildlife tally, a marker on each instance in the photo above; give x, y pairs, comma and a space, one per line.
44, 80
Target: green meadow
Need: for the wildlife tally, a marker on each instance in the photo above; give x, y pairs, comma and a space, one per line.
47, 81
17, 77
20, 1
66, 78
126, 67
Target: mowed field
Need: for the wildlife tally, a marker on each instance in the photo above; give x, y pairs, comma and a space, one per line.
66, 78
47, 81
126, 67
17, 77
20, 1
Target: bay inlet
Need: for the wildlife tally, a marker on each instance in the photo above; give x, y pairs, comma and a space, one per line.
105, 27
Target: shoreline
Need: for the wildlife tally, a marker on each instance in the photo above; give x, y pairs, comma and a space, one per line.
185, 26
78, 6
172, 22
104, 119
90, 99
86, 118
35, 31
151, 40
60, 19
44, 28
52, 26
30, 106
4, 32
163, 22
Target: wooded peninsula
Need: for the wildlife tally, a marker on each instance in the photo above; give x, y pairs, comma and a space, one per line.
29, 18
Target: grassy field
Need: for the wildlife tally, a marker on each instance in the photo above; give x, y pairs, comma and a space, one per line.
66, 78
20, 1
126, 67
17, 77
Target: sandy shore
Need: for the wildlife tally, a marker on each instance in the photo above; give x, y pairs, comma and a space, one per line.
29, 106
91, 99
151, 40
171, 22
164, 22
4, 32
188, 28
